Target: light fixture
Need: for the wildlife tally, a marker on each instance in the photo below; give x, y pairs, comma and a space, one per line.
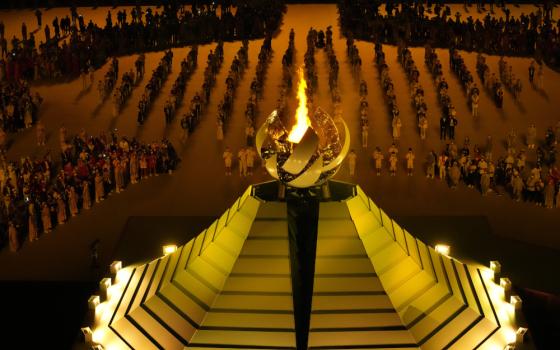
104, 285
505, 283
520, 335
93, 302
516, 301
88, 334
97, 347
496, 268
169, 249
115, 267
442, 249
510, 347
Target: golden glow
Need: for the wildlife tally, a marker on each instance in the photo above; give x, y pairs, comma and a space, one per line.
302, 121
169, 249
443, 249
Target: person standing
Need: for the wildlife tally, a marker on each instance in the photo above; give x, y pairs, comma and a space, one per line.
73, 201
250, 134
393, 163
549, 194
365, 135
99, 189
13, 236
60, 209
431, 170
227, 156
517, 186
423, 125
219, 130
62, 135
250, 155
532, 71
442, 163
242, 160
454, 175
396, 124
531, 136
46, 218
378, 159
474, 104
86, 196
32, 223
409, 162
352, 162
39, 16
443, 125
133, 165
41, 134
452, 124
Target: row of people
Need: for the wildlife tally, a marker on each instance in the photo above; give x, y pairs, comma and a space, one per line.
448, 120
177, 93
256, 87
491, 82
388, 89
153, 87
106, 86
416, 90
236, 70
508, 78
200, 100
37, 196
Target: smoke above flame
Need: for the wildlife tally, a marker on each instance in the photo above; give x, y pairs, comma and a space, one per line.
302, 121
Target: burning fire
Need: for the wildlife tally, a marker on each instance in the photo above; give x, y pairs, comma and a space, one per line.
302, 121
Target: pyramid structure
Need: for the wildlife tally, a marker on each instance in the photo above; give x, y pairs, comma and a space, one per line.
375, 286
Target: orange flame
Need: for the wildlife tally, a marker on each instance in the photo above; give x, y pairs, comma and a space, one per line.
302, 121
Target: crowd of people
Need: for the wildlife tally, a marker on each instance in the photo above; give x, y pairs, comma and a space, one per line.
236, 70
153, 88
74, 45
475, 166
201, 99
177, 93
256, 88
417, 24
37, 195
19, 108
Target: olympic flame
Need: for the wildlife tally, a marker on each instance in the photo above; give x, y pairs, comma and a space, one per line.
302, 121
